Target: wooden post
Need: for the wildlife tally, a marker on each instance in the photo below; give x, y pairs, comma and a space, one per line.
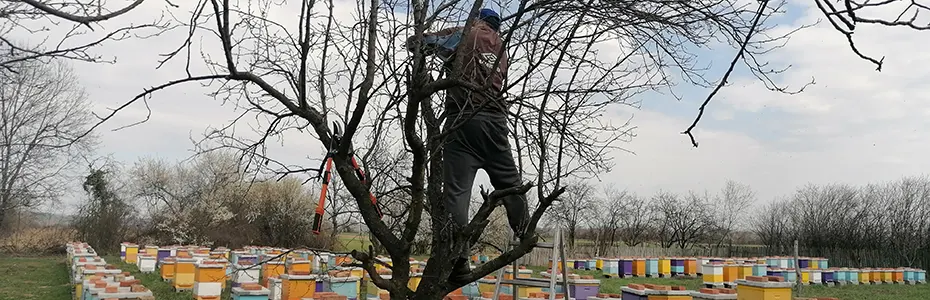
797, 271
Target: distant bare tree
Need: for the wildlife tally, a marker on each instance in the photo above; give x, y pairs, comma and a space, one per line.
43, 112
636, 220
575, 208
607, 219
730, 208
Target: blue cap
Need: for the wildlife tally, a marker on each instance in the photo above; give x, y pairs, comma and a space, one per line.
487, 13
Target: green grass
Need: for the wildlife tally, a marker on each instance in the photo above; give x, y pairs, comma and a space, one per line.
161, 289
347, 242
848, 292
34, 278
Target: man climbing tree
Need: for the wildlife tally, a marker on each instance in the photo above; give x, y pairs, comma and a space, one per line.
476, 120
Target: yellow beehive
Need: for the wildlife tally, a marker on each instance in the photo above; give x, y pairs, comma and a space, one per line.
876, 276
754, 289
184, 273
210, 271
599, 263
730, 273
665, 267
813, 263
865, 275
132, 251
297, 286
151, 250
414, 281
167, 269
805, 276
887, 276
745, 270
298, 264
272, 269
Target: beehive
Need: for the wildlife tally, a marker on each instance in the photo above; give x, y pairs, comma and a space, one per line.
876, 276
250, 291
898, 275
852, 276
146, 263
634, 292
828, 276
584, 287
639, 267
184, 273
626, 267
763, 288
245, 272
132, 251
865, 276
665, 267
298, 286
713, 274
691, 266
790, 275
678, 266
744, 271
297, 264
167, 269
346, 286
805, 276
730, 273
374, 291
759, 269
274, 288
272, 269
887, 275
652, 267
613, 267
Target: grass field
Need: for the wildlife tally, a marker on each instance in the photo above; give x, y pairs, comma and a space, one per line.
46, 278
34, 278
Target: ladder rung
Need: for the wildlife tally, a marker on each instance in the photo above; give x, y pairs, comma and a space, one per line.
527, 282
538, 245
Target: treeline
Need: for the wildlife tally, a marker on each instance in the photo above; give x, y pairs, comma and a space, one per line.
877, 225
209, 200
611, 217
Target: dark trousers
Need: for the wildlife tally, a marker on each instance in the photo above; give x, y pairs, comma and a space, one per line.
481, 143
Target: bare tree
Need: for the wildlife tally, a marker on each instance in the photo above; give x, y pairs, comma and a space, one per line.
731, 205
666, 207
574, 209
607, 220
327, 64
78, 20
636, 220
41, 108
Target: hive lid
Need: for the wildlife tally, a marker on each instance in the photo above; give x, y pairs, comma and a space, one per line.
344, 279
240, 291
767, 284
299, 277
633, 291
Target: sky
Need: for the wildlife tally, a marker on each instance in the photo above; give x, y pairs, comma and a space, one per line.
854, 126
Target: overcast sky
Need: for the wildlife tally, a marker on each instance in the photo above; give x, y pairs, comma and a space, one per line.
854, 126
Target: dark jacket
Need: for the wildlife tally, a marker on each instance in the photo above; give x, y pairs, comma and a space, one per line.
480, 48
